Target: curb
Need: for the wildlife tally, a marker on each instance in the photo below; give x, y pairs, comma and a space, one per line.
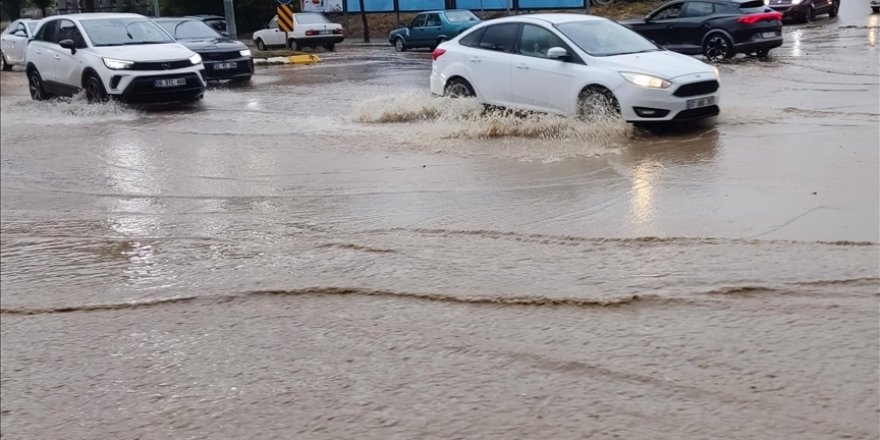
293, 59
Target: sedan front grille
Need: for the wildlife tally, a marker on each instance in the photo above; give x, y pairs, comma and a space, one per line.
697, 88
220, 56
161, 65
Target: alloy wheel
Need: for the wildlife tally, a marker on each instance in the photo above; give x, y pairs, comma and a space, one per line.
398, 45
35, 86
717, 48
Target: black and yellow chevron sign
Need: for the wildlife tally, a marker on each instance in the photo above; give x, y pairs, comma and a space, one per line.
285, 18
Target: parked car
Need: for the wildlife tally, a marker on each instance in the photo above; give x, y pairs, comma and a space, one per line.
216, 22
13, 42
572, 64
310, 29
804, 10
428, 29
718, 29
119, 55
222, 57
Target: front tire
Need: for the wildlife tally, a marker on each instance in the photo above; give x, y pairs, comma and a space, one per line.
399, 45
596, 103
35, 86
809, 14
261, 45
763, 54
876, 10
717, 48
6, 66
835, 6
330, 47
94, 89
458, 88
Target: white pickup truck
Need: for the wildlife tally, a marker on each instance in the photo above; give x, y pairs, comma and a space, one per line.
310, 29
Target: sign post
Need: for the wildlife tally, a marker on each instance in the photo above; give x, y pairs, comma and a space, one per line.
285, 21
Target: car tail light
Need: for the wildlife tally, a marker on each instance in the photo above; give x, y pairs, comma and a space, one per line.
310, 33
437, 53
754, 18
337, 31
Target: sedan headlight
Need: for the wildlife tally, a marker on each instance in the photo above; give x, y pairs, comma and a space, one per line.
245, 53
115, 64
795, 2
648, 81
195, 59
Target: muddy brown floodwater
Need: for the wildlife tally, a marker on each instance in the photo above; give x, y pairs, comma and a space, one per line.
331, 253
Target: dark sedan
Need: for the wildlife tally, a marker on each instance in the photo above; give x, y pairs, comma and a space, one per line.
223, 58
718, 29
805, 10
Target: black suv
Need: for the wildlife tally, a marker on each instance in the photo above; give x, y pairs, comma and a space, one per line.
717, 29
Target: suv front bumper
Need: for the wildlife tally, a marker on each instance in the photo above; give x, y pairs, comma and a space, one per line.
143, 86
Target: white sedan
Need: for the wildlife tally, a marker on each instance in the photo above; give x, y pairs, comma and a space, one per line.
577, 65
14, 40
310, 29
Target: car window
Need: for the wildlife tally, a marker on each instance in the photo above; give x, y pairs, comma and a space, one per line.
535, 40
67, 30
698, 9
188, 29
122, 31
605, 38
19, 30
310, 18
472, 39
499, 37
47, 31
274, 23
217, 24
460, 16
671, 11
432, 20
32, 25
419, 21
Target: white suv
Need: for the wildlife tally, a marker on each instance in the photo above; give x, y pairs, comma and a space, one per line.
126, 56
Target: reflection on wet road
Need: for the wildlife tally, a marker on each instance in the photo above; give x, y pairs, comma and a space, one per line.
331, 252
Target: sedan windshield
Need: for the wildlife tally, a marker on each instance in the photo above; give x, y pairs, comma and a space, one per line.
124, 31
188, 29
461, 16
605, 38
311, 18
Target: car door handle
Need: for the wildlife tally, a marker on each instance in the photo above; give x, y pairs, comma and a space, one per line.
38, 52
522, 66
475, 59
57, 57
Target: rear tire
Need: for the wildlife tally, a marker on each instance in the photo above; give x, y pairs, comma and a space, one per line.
330, 47
809, 14
261, 45
458, 88
595, 103
35, 86
876, 10
94, 89
763, 54
399, 45
717, 47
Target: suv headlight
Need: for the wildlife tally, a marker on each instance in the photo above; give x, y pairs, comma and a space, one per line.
245, 53
647, 81
115, 64
195, 59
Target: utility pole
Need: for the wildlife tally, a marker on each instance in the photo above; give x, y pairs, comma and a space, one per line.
155, 8
229, 11
366, 25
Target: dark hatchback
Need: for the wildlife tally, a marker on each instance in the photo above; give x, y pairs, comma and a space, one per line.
718, 29
805, 10
222, 57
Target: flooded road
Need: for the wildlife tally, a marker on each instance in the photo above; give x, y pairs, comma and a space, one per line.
333, 253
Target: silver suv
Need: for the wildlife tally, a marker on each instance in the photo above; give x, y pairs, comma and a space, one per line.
125, 56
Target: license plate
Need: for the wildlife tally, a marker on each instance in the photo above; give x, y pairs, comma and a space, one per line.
700, 102
174, 82
768, 34
326, 32
225, 66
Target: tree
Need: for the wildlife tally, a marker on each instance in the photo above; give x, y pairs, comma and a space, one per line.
43, 5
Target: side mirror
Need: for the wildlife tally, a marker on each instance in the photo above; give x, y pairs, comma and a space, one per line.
68, 44
557, 53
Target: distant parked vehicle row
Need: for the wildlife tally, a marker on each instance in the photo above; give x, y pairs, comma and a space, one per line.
804, 10
430, 28
13, 42
310, 29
